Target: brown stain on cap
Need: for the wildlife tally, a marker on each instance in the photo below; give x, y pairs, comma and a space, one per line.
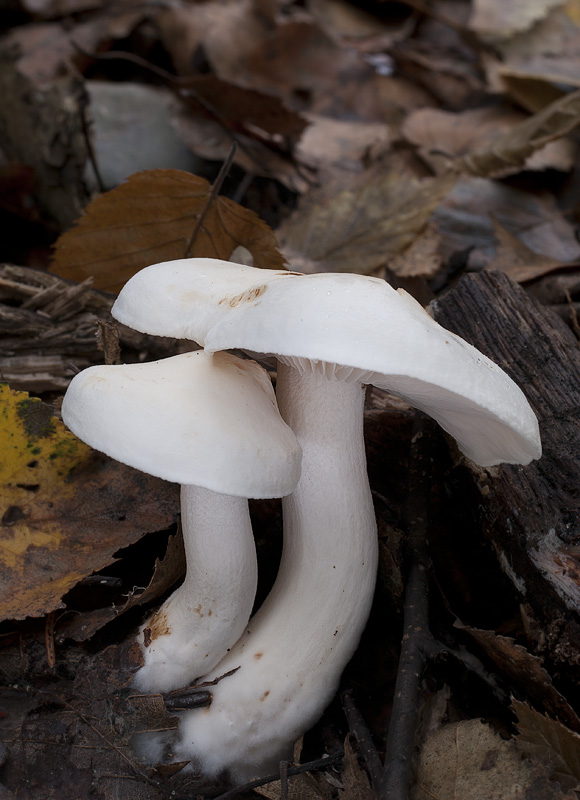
244, 297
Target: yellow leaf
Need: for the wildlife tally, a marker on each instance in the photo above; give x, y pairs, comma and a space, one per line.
65, 510
150, 218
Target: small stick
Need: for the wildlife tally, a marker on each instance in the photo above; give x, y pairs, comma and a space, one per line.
319, 763
213, 193
359, 729
283, 780
187, 698
92, 156
108, 341
418, 642
183, 89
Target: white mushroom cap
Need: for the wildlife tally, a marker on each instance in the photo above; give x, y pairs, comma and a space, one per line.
195, 419
184, 298
347, 326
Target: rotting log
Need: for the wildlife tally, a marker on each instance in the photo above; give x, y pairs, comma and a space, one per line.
531, 514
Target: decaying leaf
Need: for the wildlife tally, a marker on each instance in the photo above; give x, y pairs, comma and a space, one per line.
511, 149
468, 760
443, 136
421, 257
215, 27
168, 570
305, 786
300, 787
151, 218
465, 221
356, 230
496, 19
517, 260
524, 670
65, 509
550, 742
243, 110
355, 782
342, 144
541, 64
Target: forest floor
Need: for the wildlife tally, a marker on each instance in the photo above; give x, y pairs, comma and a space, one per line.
431, 144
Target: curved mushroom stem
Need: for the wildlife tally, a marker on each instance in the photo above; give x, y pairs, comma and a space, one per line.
293, 651
193, 629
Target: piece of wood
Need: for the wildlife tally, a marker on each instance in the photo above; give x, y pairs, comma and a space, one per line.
49, 326
531, 514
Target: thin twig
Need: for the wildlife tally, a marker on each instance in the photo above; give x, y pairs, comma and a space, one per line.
311, 766
359, 729
417, 643
213, 193
184, 91
91, 150
283, 780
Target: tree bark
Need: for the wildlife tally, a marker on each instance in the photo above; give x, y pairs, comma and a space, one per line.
530, 514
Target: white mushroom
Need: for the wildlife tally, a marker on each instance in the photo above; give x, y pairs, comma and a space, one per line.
331, 334
210, 423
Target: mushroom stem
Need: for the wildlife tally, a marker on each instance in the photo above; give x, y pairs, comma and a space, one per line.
330, 541
194, 628
293, 651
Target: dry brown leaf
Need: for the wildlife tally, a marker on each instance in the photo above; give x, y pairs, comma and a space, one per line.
59, 8
468, 760
208, 139
300, 787
536, 66
465, 221
167, 572
151, 218
496, 19
355, 782
359, 229
517, 260
526, 671
341, 144
550, 742
421, 257
341, 19
443, 136
65, 509
215, 27
243, 110
45, 48
299, 56
451, 80
512, 149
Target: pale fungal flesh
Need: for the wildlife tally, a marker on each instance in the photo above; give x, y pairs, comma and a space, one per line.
294, 649
331, 333
210, 423
196, 625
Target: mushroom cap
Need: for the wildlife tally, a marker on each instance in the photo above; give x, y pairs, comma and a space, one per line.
182, 299
348, 327
201, 419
